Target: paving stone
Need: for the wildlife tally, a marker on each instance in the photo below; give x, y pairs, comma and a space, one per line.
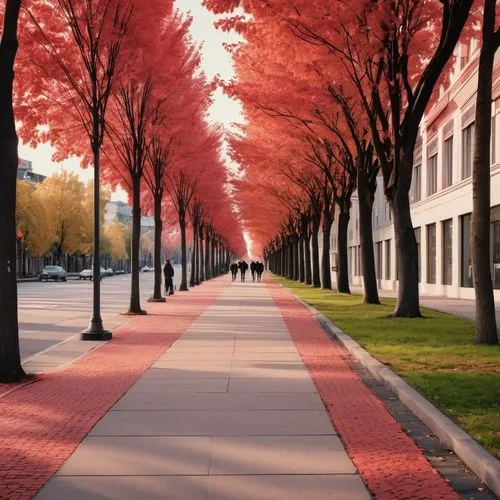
125, 488
139, 456
214, 423
333, 487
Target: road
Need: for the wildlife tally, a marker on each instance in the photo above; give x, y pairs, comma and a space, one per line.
53, 313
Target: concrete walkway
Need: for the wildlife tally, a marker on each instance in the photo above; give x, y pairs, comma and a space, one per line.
228, 412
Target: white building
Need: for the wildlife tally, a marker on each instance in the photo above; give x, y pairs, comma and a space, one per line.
441, 194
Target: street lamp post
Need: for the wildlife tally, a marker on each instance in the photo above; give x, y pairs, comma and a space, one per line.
95, 330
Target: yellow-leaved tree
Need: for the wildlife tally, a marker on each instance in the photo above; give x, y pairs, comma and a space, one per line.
116, 233
33, 219
63, 194
87, 230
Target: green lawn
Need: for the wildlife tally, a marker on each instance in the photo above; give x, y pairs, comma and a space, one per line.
436, 354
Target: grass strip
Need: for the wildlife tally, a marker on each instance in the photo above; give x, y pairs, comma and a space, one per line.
436, 354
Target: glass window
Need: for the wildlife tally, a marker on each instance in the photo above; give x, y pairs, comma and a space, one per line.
379, 260
388, 259
448, 162
493, 139
495, 243
466, 252
416, 181
467, 150
447, 252
432, 164
431, 253
360, 272
417, 237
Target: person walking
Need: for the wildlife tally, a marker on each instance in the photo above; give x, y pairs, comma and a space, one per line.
253, 268
243, 269
234, 270
260, 270
168, 272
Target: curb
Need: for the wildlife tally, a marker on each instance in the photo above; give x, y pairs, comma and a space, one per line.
484, 465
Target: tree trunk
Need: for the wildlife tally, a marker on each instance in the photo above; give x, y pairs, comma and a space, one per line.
192, 278
182, 225
158, 233
343, 267
302, 276
366, 198
197, 263
326, 278
316, 279
208, 270
10, 361
295, 241
486, 328
135, 297
201, 254
307, 258
407, 305
212, 258
290, 259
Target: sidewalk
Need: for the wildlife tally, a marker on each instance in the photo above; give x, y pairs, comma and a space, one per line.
463, 308
230, 392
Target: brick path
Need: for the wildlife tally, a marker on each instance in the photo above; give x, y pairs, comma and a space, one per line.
42, 423
392, 465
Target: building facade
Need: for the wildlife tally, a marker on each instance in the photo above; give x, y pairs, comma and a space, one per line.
440, 195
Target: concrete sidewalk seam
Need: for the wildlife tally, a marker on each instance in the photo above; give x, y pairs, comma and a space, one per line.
484, 465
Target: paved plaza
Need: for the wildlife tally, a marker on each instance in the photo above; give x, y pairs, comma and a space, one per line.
231, 391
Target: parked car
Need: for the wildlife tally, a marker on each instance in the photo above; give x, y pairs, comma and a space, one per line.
109, 272
88, 274
55, 273
145, 269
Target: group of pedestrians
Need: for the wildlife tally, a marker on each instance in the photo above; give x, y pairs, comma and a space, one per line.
256, 268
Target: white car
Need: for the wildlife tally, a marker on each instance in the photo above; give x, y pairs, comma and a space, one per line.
88, 274
145, 269
110, 271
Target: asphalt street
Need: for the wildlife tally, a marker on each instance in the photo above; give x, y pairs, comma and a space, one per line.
51, 313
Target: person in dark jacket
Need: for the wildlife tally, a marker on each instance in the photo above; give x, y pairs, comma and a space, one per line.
234, 270
168, 272
243, 269
260, 270
253, 268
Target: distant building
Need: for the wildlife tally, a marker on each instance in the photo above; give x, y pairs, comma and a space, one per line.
25, 172
120, 211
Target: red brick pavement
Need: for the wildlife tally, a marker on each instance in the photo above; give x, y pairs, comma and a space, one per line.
390, 463
42, 423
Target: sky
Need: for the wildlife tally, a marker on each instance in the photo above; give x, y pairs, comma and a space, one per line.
216, 61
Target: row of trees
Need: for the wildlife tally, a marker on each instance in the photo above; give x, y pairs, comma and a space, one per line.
117, 83
334, 94
56, 217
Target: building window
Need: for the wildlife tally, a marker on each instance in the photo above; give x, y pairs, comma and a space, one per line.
493, 139
495, 246
416, 178
431, 253
466, 252
379, 260
388, 259
360, 272
448, 162
432, 164
416, 181
417, 237
467, 150
447, 252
